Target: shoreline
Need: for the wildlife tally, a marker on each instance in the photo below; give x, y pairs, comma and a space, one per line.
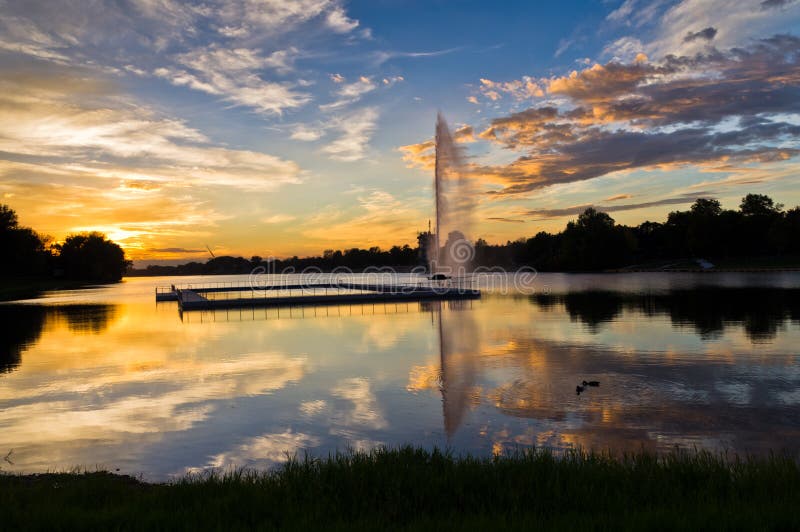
19, 289
572, 272
412, 488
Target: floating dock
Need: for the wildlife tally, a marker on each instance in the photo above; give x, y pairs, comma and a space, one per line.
230, 295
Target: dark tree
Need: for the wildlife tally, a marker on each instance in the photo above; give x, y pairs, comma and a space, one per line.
594, 242
23, 249
8, 218
91, 257
706, 207
759, 205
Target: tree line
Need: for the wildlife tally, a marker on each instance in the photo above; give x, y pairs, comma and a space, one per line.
82, 257
760, 227
594, 241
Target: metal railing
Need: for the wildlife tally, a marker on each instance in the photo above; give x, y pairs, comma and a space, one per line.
290, 287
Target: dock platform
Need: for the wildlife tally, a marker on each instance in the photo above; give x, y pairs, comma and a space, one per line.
229, 295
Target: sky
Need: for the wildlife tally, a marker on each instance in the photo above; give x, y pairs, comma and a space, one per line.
280, 128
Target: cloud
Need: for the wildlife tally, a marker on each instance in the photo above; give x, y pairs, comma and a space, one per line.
160, 25
632, 13
223, 48
339, 22
177, 250
624, 49
623, 12
507, 220
121, 140
738, 24
279, 16
380, 57
263, 451
422, 154
366, 413
521, 89
378, 219
543, 214
464, 134
81, 156
183, 398
306, 133
233, 75
355, 90
706, 34
278, 219
733, 106
563, 46
355, 130
772, 4
618, 197
349, 93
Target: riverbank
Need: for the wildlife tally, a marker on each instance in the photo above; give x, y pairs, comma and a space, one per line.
29, 288
409, 488
717, 265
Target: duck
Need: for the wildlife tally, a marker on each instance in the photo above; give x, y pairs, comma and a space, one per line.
591, 383
579, 389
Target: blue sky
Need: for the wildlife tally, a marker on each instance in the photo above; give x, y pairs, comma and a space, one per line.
278, 128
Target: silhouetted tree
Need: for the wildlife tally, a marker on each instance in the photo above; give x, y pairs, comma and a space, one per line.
706, 207
24, 252
593, 242
8, 218
91, 257
759, 205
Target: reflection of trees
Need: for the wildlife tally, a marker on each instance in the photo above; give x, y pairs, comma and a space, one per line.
87, 319
760, 311
23, 325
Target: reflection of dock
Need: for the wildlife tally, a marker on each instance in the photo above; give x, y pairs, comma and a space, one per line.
305, 312
226, 296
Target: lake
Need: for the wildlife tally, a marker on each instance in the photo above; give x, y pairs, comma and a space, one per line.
105, 377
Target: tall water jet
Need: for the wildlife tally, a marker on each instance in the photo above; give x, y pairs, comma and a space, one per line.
454, 206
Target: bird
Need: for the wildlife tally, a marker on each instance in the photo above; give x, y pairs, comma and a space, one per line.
7, 458
578, 389
591, 383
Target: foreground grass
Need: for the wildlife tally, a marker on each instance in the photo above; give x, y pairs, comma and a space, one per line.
410, 488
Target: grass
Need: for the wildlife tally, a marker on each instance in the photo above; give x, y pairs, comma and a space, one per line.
410, 488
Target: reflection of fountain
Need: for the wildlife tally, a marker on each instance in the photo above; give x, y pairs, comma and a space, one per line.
454, 205
458, 340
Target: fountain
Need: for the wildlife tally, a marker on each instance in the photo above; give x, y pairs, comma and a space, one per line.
454, 200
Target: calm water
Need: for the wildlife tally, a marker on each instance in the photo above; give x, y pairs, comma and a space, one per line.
105, 377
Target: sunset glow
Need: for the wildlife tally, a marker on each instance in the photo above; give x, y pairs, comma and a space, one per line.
277, 128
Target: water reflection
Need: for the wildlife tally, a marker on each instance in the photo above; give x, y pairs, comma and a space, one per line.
130, 385
458, 338
23, 325
722, 390
761, 311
